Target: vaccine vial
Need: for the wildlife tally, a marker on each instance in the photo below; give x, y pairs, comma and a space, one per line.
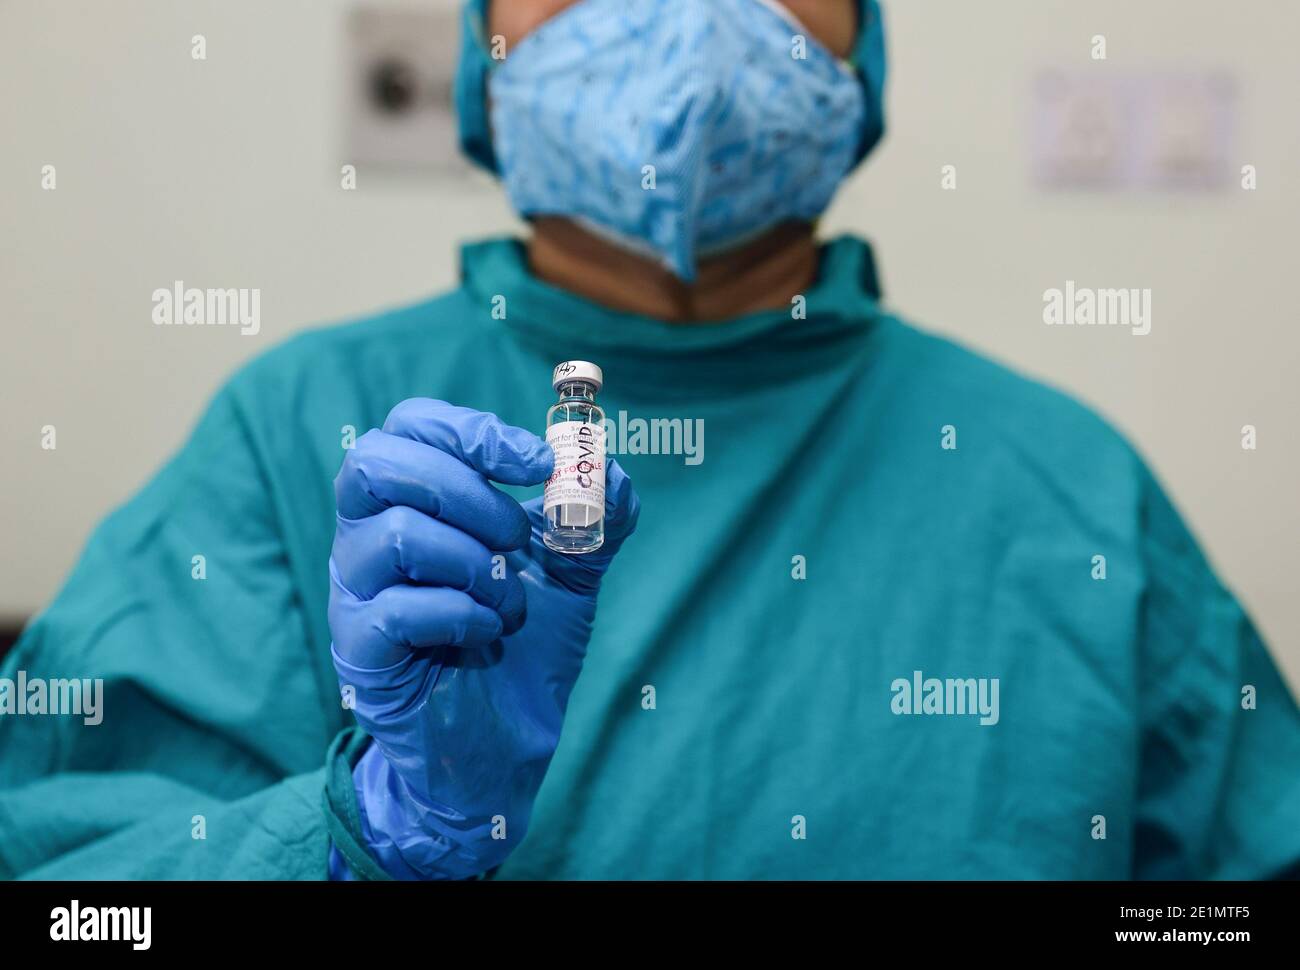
574, 498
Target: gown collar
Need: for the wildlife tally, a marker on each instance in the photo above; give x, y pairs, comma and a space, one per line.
843, 301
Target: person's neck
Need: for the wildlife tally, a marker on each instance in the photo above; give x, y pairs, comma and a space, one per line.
762, 275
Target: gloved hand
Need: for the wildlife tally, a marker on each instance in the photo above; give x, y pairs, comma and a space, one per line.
461, 633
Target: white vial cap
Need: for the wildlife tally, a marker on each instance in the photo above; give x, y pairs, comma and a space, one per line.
577, 370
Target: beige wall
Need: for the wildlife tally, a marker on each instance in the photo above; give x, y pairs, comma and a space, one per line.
224, 173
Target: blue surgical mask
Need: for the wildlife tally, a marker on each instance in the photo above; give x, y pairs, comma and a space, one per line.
677, 128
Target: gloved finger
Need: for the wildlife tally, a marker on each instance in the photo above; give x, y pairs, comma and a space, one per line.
401, 545
622, 507
622, 510
376, 633
384, 470
500, 451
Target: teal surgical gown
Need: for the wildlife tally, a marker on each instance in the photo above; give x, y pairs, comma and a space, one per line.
874, 505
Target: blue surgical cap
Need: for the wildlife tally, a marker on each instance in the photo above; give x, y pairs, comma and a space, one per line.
867, 58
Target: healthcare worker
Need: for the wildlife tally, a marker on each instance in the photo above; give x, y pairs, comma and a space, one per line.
899, 613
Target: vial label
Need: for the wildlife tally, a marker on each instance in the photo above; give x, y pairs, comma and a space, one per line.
579, 476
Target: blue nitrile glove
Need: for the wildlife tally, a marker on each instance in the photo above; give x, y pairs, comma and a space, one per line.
461, 662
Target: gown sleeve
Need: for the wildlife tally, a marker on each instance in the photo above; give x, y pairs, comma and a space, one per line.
204, 756
1219, 781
